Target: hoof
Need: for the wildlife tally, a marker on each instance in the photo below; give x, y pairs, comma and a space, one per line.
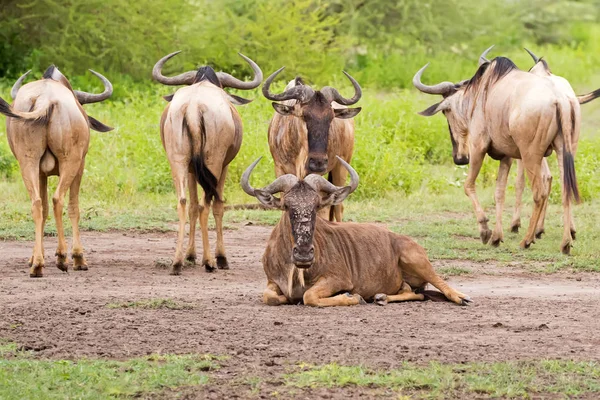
380, 299
36, 271
566, 248
80, 268
465, 301
525, 244
209, 267
515, 228
485, 236
538, 234
222, 262
176, 269
573, 232
495, 242
361, 301
190, 259
62, 266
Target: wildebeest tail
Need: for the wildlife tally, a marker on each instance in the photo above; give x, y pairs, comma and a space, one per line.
566, 124
39, 116
195, 125
330, 179
586, 98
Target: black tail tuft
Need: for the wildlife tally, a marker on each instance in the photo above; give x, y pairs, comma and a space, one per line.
570, 180
6, 109
331, 209
205, 178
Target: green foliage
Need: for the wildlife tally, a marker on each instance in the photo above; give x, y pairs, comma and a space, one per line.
439, 381
25, 377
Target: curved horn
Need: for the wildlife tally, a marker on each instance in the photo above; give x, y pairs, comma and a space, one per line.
535, 58
333, 95
232, 82
440, 88
86, 98
280, 184
322, 184
300, 93
187, 78
17, 85
483, 57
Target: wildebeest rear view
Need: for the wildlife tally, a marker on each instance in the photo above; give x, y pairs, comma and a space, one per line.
49, 133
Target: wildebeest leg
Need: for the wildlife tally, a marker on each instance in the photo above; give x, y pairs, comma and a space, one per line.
273, 296
207, 260
567, 239
503, 171
519, 187
30, 171
180, 174
319, 294
218, 211
474, 168
79, 263
194, 211
69, 170
404, 294
547, 181
533, 166
45, 209
338, 178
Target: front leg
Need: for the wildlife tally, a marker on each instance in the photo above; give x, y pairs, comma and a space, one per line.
273, 296
319, 294
474, 167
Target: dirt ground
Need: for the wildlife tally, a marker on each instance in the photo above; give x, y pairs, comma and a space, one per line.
516, 315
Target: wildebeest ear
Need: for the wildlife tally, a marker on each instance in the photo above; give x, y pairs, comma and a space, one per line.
237, 100
169, 97
98, 126
434, 109
344, 113
283, 109
336, 197
267, 199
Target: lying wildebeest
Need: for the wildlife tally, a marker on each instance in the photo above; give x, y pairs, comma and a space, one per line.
310, 128
49, 133
508, 113
542, 69
201, 132
325, 263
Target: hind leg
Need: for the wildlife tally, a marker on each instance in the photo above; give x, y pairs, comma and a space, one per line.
218, 211
79, 263
414, 263
31, 178
194, 211
207, 260
519, 188
501, 180
404, 294
547, 181
180, 180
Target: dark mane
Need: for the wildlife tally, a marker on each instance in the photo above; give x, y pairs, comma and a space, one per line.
49, 72
299, 81
500, 67
206, 73
544, 64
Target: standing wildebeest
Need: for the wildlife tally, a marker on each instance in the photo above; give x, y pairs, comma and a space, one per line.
508, 113
542, 69
201, 132
310, 128
49, 133
325, 263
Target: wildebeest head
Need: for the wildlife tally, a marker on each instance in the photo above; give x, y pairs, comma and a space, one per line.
316, 112
207, 73
301, 200
460, 99
53, 73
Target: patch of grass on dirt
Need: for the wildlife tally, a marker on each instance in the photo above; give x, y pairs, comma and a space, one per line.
453, 271
153, 304
25, 377
438, 381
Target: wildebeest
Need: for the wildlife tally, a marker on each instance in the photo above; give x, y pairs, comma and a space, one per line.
325, 263
201, 132
508, 113
310, 128
542, 69
49, 133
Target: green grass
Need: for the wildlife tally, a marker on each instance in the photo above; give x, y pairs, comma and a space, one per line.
25, 377
440, 381
153, 304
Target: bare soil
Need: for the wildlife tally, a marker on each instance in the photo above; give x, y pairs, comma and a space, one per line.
516, 315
